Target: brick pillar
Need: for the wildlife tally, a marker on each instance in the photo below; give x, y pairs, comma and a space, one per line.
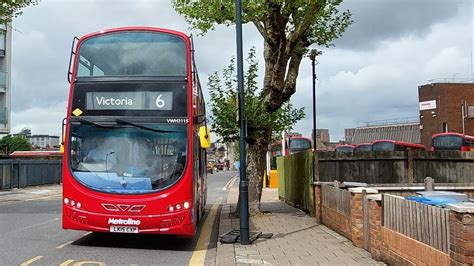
375, 224
357, 215
461, 229
357, 220
317, 203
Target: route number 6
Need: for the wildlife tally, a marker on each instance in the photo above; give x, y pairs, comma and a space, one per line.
160, 103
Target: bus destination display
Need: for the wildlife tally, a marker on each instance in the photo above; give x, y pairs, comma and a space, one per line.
130, 100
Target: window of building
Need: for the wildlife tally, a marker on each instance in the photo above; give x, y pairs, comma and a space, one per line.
445, 127
470, 111
3, 41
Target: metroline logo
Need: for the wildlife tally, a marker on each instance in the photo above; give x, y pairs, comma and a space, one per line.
128, 221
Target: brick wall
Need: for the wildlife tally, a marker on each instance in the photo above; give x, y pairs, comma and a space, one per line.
375, 223
357, 220
337, 221
449, 97
461, 238
398, 249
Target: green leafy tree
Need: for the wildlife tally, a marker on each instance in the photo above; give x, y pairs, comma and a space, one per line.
9, 144
288, 28
10, 9
260, 122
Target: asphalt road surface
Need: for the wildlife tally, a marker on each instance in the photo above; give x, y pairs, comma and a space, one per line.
31, 234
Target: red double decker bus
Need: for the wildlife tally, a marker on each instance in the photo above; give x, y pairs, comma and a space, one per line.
392, 145
344, 148
363, 147
135, 134
450, 141
296, 144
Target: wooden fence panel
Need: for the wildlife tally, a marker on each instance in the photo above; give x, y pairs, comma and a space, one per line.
425, 223
336, 199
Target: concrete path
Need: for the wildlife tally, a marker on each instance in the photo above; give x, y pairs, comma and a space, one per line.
297, 239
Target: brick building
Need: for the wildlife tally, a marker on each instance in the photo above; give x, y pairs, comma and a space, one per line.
446, 107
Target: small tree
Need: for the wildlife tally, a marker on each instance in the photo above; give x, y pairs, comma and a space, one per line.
223, 91
10, 9
9, 144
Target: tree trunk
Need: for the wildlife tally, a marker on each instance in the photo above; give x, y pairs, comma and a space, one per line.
256, 165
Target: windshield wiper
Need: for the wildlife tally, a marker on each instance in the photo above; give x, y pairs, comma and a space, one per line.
85, 121
125, 122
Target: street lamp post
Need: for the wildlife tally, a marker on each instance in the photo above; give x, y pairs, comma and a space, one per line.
313, 55
243, 185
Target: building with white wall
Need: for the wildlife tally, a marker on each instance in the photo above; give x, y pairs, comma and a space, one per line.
5, 78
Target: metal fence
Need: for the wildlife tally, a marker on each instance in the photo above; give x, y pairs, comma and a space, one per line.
425, 223
336, 199
23, 173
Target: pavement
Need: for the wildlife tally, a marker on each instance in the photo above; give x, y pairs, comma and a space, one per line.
297, 238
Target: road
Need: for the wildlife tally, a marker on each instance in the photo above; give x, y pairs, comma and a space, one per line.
31, 234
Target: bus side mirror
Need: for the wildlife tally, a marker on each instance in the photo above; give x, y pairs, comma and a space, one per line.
205, 137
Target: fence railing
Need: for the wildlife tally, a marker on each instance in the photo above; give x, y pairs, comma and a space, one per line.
23, 173
425, 223
336, 199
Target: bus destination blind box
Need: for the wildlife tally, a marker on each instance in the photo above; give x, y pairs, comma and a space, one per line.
130, 100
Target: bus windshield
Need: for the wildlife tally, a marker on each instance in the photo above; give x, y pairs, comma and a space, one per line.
448, 142
363, 148
383, 146
128, 160
133, 53
345, 149
297, 145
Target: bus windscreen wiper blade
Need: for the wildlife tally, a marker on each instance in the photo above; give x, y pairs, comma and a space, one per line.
85, 121
125, 122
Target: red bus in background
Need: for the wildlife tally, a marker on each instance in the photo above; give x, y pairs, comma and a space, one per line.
36, 154
296, 144
392, 145
135, 135
344, 148
363, 147
450, 141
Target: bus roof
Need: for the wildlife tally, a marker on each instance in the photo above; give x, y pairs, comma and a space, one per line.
35, 153
451, 134
363, 144
292, 137
402, 143
136, 28
344, 145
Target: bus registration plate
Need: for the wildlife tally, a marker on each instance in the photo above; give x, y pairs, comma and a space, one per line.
124, 229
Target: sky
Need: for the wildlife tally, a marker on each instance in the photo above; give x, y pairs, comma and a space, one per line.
371, 73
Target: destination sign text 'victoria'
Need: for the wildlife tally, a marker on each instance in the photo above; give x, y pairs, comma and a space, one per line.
132, 100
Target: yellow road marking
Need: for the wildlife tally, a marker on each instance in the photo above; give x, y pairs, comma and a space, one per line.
66, 263
88, 263
200, 250
63, 245
28, 262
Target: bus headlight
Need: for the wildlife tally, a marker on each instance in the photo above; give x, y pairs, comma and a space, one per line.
186, 205
66, 201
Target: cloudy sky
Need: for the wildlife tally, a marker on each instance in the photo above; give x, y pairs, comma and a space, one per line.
371, 73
